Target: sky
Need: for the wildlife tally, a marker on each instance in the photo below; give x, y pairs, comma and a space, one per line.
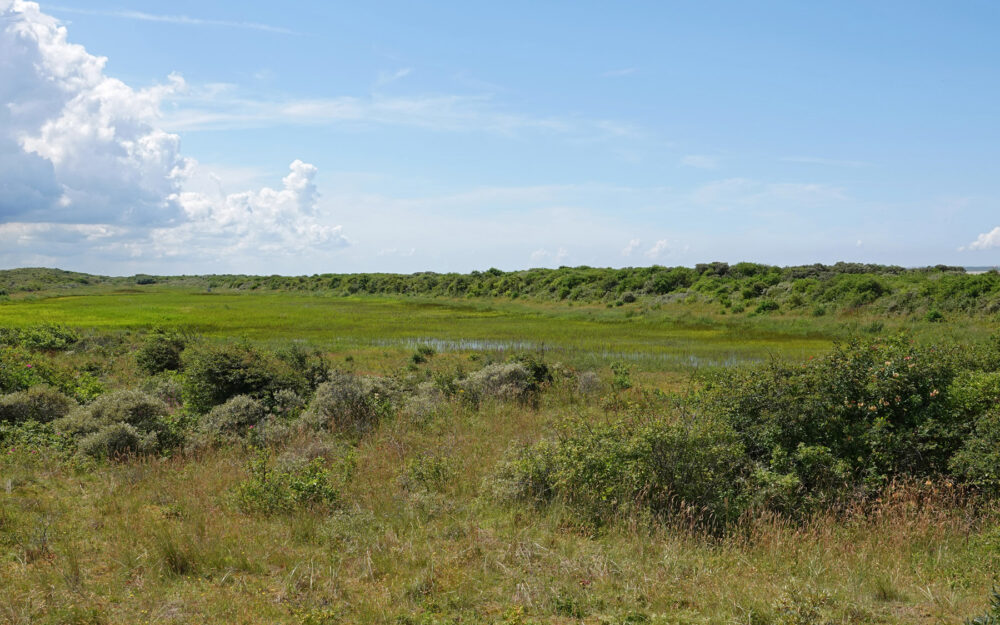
324, 137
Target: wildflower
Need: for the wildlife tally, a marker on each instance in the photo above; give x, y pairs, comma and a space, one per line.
934, 393
28, 366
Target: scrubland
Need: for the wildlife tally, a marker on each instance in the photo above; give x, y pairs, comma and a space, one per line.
176, 451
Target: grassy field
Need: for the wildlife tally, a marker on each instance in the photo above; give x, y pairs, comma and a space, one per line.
414, 535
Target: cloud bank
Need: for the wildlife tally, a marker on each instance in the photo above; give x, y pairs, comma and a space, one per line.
84, 165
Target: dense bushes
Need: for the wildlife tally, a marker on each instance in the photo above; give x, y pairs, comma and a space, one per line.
789, 438
160, 351
119, 424
214, 374
270, 489
351, 404
39, 403
696, 468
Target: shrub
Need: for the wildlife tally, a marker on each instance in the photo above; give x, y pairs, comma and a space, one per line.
621, 376
875, 407
44, 337
588, 383
694, 468
978, 461
160, 351
38, 403
118, 440
212, 375
123, 422
234, 419
269, 490
509, 381
351, 404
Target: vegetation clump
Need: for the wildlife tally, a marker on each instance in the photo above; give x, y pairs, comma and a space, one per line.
39, 403
269, 489
351, 404
119, 424
160, 351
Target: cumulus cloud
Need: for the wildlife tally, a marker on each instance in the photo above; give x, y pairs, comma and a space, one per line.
85, 166
657, 250
76, 145
631, 247
984, 241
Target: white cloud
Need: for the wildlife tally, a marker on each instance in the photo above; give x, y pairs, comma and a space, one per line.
616, 73
385, 78
700, 161
985, 241
547, 257
86, 169
657, 250
75, 145
172, 19
631, 247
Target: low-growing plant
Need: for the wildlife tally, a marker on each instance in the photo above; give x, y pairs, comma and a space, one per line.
695, 468
233, 420
269, 490
119, 424
213, 374
509, 381
40, 337
160, 351
351, 404
39, 403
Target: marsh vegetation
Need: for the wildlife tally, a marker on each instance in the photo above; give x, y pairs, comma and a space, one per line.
646, 449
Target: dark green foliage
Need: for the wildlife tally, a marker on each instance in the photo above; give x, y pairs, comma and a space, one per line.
160, 351
39, 403
20, 370
692, 468
269, 489
978, 461
866, 413
214, 374
41, 337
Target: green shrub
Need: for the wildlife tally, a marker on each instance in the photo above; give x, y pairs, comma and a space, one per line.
693, 468
119, 423
978, 461
38, 403
877, 408
509, 381
269, 490
160, 351
41, 337
117, 441
214, 374
234, 419
621, 376
351, 404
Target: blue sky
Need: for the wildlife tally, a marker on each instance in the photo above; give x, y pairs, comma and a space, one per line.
323, 137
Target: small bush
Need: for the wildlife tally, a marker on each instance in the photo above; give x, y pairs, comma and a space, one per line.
351, 404
119, 423
510, 381
117, 441
269, 490
664, 468
234, 419
42, 337
160, 351
38, 403
212, 375
588, 383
